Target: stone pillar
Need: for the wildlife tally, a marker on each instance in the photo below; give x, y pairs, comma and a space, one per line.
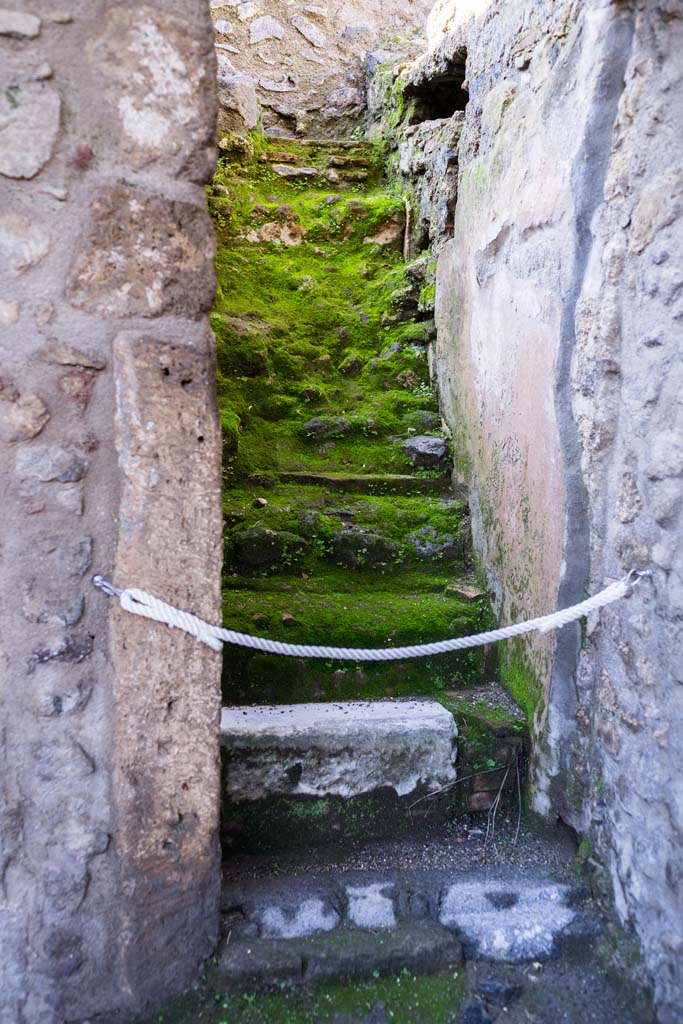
110, 462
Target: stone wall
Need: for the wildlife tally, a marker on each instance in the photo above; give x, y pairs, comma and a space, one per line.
109, 455
299, 67
558, 309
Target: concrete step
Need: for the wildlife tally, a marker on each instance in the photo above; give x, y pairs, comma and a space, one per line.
295, 774
344, 748
299, 928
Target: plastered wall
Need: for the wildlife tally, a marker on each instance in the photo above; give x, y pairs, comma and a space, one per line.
559, 311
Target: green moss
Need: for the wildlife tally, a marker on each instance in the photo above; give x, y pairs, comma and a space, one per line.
285, 822
315, 322
408, 999
520, 680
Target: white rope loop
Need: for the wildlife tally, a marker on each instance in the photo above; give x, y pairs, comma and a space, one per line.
139, 602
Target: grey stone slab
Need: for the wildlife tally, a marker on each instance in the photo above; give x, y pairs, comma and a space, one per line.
342, 955
346, 748
507, 922
371, 906
357, 954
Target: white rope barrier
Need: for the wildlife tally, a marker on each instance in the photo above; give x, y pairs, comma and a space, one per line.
139, 602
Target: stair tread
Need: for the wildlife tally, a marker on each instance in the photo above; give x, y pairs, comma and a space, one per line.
343, 922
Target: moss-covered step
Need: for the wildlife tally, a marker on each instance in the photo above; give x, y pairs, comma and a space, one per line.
378, 483
340, 522
304, 293
348, 608
310, 528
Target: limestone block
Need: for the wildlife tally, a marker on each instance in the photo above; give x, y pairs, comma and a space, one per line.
23, 243
160, 79
390, 234
9, 312
142, 255
286, 171
304, 917
345, 748
29, 125
371, 906
166, 686
248, 10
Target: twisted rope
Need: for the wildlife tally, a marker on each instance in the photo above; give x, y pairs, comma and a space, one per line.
139, 602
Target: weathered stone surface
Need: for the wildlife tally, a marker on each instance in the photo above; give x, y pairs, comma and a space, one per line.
325, 426
161, 84
315, 55
143, 256
344, 748
22, 416
55, 595
64, 354
46, 462
338, 956
464, 592
248, 10
428, 543
92, 98
239, 106
355, 548
166, 789
390, 234
308, 30
577, 476
23, 243
371, 906
497, 922
29, 124
297, 919
260, 548
265, 28
286, 171
19, 23
424, 450
9, 312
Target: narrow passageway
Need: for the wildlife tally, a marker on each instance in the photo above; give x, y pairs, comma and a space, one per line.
376, 864
341, 523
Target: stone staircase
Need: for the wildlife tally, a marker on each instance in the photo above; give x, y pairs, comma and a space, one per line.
297, 930
372, 823
341, 522
499, 922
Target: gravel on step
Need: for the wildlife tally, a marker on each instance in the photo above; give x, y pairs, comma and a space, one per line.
461, 847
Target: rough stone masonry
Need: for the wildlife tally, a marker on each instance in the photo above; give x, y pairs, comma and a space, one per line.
109, 455
559, 310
